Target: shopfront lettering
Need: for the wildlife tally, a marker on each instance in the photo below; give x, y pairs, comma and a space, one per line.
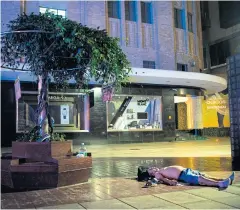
57, 97
216, 102
216, 107
142, 102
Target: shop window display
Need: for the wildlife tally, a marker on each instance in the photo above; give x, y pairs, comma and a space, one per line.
129, 113
70, 112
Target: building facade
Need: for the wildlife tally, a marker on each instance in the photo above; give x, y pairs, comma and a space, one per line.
163, 42
221, 34
160, 35
221, 41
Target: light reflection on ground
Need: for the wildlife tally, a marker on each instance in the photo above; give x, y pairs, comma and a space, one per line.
127, 167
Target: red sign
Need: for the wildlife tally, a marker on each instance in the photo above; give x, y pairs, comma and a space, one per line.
107, 93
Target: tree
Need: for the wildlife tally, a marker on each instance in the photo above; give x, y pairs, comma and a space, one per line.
61, 49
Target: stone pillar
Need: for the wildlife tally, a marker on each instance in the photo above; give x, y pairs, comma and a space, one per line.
168, 111
233, 64
98, 115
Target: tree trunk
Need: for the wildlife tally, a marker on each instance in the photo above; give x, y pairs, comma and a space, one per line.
43, 108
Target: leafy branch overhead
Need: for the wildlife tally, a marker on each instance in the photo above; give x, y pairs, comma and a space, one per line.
65, 50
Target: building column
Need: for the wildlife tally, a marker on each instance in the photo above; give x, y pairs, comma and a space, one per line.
122, 23
194, 20
233, 68
82, 12
156, 44
23, 7
185, 22
98, 113
139, 25
168, 113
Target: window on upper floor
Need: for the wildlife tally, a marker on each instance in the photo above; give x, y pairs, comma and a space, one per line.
229, 13
205, 20
178, 18
146, 11
221, 50
149, 64
182, 67
130, 10
190, 22
54, 11
113, 9
205, 57
219, 53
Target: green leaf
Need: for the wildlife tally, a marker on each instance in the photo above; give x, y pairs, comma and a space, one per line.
100, 55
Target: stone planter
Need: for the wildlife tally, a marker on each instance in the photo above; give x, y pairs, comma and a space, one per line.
35, 165
41, 151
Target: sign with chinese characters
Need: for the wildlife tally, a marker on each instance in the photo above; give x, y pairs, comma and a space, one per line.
64, 114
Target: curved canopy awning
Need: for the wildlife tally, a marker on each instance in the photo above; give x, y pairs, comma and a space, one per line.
208, 82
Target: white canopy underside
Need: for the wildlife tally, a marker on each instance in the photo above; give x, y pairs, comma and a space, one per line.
210, 83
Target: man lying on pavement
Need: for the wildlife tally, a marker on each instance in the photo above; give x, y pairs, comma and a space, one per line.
171, 175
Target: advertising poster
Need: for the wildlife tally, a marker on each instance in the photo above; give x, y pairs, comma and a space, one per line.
64, 114
216, 111
134, 113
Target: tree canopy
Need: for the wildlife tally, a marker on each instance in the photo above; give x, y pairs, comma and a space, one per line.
64, 49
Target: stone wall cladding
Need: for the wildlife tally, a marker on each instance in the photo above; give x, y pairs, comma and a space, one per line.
216, 132
93, 14
165, 32
96, 14
233, 67
98, 115
131, 34
9, 11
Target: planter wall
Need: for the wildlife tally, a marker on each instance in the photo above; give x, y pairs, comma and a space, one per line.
34, 165
41, 151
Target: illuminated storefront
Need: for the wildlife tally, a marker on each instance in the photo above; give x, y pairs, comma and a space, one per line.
128, 113
70, 111
145, 110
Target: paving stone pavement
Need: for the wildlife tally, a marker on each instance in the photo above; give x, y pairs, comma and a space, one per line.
125, 193
122, 167
112, 186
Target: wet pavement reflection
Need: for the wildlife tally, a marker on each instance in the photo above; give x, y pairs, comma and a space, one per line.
127, 167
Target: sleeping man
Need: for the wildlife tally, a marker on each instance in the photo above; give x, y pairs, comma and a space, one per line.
172, 174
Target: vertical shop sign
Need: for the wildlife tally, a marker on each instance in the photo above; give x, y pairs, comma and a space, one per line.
64, 114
